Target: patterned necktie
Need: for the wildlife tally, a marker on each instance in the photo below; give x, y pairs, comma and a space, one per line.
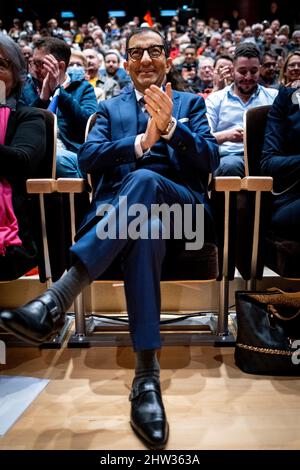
143, 116
142, 104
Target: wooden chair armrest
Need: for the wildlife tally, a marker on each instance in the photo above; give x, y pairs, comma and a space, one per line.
257, 183
71, 185
41, 186
226, 183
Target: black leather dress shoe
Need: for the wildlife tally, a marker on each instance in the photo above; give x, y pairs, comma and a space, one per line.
148, 418
36, 321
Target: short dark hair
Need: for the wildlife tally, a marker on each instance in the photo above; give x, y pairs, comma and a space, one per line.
223, 56
269, 54
144, 30
191, 46
246, 49
57, 47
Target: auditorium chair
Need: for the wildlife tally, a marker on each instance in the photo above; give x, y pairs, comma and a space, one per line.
258, 246
47, 223
212, 262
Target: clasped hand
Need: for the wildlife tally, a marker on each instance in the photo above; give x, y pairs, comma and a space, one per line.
52, 79
159, 105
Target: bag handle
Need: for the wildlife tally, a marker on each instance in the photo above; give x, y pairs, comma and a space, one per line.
271, 309
276, 297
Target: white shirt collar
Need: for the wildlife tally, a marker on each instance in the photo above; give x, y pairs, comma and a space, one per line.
138, 95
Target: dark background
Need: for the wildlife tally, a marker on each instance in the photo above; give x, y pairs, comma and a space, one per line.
252, 10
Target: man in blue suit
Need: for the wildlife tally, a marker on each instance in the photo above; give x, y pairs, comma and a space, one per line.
281, 160
149, 146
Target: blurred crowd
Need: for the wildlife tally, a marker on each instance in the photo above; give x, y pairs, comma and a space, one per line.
202, 51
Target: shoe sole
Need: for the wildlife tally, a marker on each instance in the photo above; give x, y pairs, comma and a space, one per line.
23, 337
149, 444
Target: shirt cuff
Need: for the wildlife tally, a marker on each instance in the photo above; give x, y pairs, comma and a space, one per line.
138, 147
168, 136
139, 153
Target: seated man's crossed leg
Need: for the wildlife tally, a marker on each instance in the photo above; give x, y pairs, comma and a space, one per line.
142, 259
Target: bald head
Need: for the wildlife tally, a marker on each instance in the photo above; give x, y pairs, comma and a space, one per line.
93, 62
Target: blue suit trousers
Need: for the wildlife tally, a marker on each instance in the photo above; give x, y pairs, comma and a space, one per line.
141, 258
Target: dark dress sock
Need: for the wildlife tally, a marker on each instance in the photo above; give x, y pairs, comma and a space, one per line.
147, 365
70, 285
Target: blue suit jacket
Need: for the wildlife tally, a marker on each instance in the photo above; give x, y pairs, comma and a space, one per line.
109, 153
281, 152
75, 105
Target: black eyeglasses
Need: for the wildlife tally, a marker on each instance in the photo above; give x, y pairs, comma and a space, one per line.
136, 53
4, 64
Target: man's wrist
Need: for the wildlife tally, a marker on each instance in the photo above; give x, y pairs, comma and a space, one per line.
169, 127
143, 144
44, 96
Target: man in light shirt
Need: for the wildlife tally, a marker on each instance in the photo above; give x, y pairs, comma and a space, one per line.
225, 108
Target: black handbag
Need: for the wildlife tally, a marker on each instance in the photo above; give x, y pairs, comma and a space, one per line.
268, 332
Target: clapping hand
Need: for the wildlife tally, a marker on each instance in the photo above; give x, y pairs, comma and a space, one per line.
52, 79
159, 105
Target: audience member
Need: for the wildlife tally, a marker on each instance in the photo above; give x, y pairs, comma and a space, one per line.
190, 55
268, 71
113, 69
140, 151
225, 108
206, 74
223, 72
27, 53
22, 148
104, 87
290, 72
295, 42
74, 96
191, 80
281, 160
268, 40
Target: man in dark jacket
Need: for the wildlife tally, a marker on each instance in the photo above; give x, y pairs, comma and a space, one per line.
281, 160
71, 97
114, 71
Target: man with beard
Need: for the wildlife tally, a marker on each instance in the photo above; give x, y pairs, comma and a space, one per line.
225, 108
113, 69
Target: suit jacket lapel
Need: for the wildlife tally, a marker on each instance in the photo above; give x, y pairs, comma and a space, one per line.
128, 115
176, 111
176, 104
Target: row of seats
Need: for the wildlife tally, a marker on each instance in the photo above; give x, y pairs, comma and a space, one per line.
212, 262
237, 205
